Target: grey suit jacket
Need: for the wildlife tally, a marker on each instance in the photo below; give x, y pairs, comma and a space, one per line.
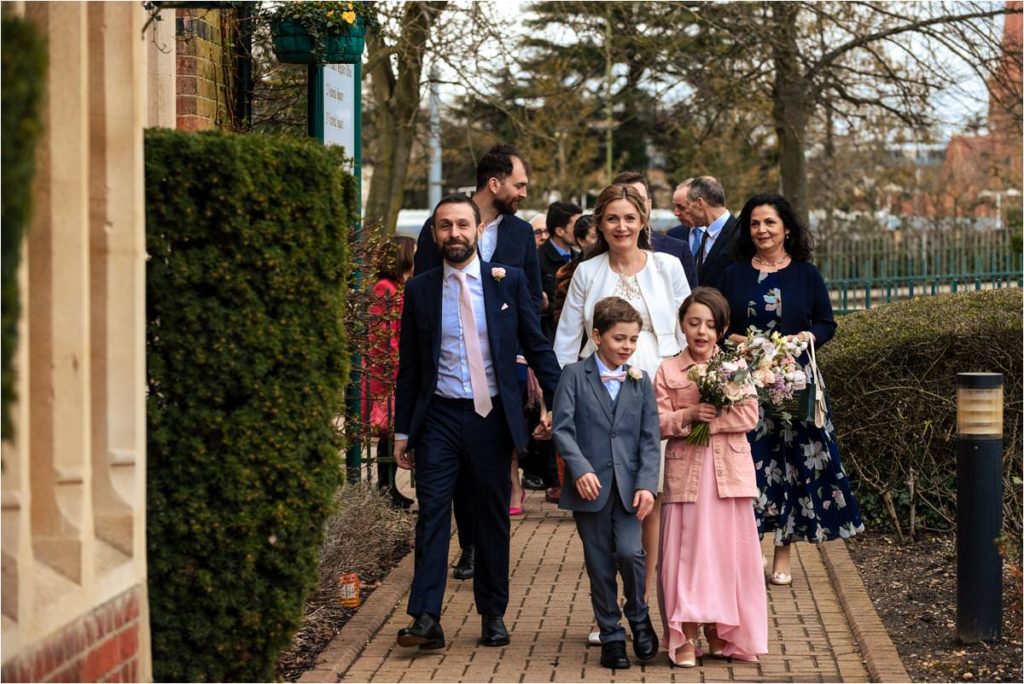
593, 439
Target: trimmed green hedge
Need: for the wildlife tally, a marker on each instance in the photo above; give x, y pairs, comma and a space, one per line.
23, 57
247, 360
891, 375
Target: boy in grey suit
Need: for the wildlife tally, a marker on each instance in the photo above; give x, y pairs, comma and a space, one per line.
605, 426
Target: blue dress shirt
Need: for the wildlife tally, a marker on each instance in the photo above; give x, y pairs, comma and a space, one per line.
613, 386
452, 364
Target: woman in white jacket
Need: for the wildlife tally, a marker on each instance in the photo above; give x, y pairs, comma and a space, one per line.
623, 265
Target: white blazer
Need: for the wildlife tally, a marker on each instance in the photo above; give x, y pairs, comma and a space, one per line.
662, 283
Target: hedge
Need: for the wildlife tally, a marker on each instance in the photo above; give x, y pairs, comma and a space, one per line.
23, 57
891, 375
247, 360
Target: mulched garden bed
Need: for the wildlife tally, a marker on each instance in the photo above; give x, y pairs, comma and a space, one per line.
913, 588
365, 536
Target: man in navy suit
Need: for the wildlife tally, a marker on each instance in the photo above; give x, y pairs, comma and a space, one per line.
714, 230
502, 177
555, 253
458, 412
659, 242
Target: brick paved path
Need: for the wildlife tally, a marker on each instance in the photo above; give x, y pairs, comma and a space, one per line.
549, 616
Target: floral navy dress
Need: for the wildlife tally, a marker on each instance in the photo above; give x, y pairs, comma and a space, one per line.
804, 492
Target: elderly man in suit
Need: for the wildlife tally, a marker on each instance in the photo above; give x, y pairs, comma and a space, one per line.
458, 412
714, 230
502, 177
679, 204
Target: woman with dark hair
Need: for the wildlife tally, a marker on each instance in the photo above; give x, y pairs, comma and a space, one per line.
622, 264
804, 494
382, 356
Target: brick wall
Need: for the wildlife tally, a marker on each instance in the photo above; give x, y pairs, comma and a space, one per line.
103, 646
203, 69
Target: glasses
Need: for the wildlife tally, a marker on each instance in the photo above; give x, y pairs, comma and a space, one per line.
540, 231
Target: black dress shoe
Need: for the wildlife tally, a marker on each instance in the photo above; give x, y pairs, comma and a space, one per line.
533, 482
463, 570
645, 641
613, 655
493, 632
424, 632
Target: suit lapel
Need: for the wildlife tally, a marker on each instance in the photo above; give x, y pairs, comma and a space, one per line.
720, 242
436, 290
600, 391
492, 301
501, 245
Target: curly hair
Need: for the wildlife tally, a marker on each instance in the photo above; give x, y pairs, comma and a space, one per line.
799, 243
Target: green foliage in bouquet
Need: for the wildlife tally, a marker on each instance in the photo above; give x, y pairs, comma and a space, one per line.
247, 360
891, 378
24, 69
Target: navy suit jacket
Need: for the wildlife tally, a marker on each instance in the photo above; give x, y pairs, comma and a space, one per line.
511, 319
680, 250
680, 232
806, 304
515, 247
720, 256
550, 262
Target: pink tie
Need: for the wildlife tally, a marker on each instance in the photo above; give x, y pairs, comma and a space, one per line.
477, 376
614, 375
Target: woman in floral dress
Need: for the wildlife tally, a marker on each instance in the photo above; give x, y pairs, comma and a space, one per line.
804, 491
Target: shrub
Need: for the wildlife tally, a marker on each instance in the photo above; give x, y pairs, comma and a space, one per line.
246, 364
24, 75
891, 374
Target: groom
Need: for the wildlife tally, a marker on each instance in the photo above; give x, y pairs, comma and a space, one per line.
458, 409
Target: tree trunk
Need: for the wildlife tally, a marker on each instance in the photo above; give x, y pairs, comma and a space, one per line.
396, 108
791, 104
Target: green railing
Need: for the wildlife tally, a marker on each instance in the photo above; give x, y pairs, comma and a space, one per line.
855, 294
918, 254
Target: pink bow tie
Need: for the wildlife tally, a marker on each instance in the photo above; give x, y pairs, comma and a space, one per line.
614, 375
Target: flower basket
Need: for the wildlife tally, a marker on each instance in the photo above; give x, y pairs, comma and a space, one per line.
294, 44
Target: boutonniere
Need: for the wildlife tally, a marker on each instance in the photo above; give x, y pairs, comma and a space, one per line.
635, 374
498, 273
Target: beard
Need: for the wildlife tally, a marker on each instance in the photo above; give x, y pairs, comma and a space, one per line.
457, 251
506, 206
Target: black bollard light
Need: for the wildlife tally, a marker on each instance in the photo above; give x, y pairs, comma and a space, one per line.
979, 506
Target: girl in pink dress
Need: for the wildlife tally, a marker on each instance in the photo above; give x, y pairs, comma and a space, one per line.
710, 571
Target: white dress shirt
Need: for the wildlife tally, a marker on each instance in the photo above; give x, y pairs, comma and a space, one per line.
489, 240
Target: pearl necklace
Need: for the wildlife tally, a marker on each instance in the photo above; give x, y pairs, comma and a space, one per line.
771, 264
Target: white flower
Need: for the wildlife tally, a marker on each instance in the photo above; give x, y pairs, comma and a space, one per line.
635, 373
498, 273
815, 456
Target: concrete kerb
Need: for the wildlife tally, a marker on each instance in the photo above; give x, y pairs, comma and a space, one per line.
879, 653
346, 646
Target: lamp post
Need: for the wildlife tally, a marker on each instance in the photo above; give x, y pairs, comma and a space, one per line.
979, 506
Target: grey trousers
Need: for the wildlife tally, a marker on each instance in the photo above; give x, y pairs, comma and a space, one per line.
612, 542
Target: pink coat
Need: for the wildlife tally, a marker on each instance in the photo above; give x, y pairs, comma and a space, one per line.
734, 466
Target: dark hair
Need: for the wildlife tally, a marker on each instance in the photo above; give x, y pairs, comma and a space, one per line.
399, 259
559, 214
609, 195
456, 199
582, 227
716, 303
612, 310
497, 163
799, 243
707, 189
631, 177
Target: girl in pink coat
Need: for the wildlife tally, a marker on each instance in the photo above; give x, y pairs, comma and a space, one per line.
710, 571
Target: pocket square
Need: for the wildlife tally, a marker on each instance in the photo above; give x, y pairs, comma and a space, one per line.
504, 306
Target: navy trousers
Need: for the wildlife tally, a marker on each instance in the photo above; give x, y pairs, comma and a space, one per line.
455, 442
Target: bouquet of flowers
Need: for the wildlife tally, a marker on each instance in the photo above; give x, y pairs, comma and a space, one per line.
722, 381
772, 360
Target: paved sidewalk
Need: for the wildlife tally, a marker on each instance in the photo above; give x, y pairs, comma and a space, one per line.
549, 615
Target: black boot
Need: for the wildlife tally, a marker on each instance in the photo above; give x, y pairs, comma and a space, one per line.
463, 570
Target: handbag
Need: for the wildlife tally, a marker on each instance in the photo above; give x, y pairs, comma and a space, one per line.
812, 404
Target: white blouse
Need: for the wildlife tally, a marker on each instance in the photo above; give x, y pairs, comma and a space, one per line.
662, 284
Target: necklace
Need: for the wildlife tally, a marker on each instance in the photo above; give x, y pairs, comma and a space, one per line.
771, 264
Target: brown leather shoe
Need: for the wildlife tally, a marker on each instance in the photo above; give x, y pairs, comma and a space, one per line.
553, 494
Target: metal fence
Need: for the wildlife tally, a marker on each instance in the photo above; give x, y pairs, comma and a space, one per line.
858, 294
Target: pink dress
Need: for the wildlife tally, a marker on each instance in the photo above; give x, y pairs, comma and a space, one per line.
710, 570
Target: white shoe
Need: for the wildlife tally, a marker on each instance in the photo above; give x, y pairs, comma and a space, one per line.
594, 638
